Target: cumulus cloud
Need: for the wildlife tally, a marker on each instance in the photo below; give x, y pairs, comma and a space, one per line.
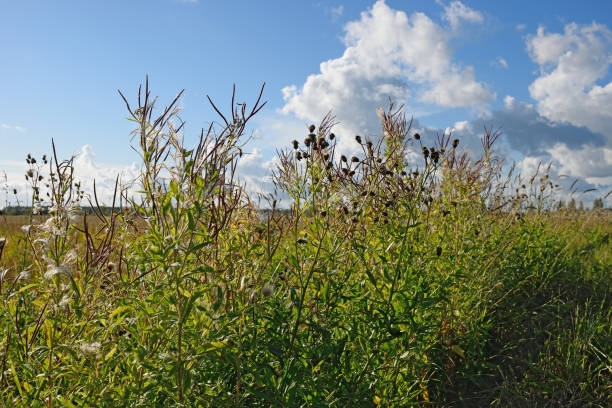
571, 65
388, 55
456, 13
87, 168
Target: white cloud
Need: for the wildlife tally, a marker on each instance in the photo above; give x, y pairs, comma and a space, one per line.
336, 12
520, 27
86, 169
19, 129
593, 164
457, 12
500, 63
571, 64
388, 55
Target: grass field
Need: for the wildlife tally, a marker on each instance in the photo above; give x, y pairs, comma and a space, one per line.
383, 285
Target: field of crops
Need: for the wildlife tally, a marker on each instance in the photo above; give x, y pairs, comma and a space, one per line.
378, 284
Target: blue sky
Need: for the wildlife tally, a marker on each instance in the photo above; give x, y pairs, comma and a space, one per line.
537, 69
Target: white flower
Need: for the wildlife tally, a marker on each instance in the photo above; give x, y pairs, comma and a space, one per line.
90, 348
25, 274
43, 241
53, 270
26, 229
70, 256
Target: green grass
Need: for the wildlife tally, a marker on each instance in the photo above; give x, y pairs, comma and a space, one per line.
381, 287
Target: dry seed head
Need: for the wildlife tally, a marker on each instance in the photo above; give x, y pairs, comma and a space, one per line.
267, 290
343, 158
332, 136
354, 159
295, 144
358, 139
455, 143
417, 136
311, 128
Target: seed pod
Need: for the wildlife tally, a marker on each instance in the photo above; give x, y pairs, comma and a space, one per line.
425, 152
307, 142
267, 290
298, 156
311, 128
455, 143
358, 139
332, 136
295, 144
343, 158
369, 144
417, 136
354, 159
326, 157
323, 144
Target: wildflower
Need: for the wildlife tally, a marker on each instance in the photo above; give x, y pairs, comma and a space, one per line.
26, 229
25, 274
267, 290
53, 270
90, 349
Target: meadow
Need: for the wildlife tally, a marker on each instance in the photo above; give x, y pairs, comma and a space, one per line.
454, 283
